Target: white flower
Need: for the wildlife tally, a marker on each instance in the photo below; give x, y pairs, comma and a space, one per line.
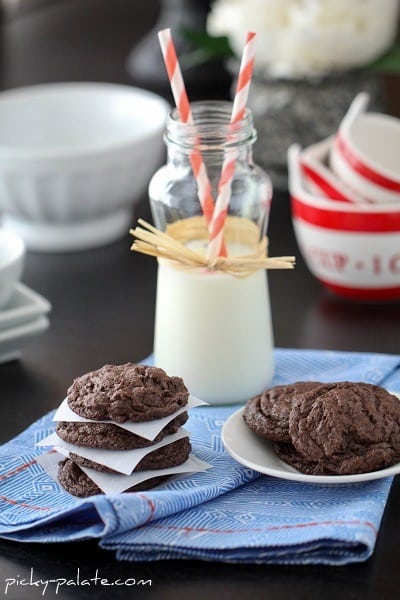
306, 37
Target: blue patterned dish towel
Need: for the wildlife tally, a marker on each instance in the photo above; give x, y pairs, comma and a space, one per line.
228, 513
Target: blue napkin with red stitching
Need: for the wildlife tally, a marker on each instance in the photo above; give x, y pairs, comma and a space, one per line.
229, 513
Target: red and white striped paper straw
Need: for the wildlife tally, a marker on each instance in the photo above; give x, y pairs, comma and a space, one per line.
217, 224
183, 106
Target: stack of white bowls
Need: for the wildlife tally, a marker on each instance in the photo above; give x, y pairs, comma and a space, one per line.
345, 194
22, 311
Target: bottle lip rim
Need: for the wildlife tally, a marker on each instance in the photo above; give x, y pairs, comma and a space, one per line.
211, 129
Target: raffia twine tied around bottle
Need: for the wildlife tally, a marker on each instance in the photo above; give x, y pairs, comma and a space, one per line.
171, 245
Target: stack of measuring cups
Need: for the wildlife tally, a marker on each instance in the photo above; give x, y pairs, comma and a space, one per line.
345, 193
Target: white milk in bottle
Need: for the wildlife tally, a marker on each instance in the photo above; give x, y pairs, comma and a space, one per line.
214, 330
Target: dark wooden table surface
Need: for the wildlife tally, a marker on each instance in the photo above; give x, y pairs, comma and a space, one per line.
103, 303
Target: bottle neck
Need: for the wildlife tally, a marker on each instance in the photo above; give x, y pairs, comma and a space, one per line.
211, 134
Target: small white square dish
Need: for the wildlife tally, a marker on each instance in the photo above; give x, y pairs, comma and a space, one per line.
23, 307
13, 338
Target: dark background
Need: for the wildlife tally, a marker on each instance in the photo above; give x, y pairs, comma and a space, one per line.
103, 306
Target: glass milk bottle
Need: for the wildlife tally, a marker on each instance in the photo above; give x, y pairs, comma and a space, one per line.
213, 328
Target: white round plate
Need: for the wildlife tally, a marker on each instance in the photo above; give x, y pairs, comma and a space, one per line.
252, 451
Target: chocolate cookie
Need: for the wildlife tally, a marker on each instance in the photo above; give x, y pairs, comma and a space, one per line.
165, 457
347, 427
77, 483
268, 413
288, 453
126, 392
111, 437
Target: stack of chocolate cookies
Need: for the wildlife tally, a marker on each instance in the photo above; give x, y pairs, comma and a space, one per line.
123, 394
329, 429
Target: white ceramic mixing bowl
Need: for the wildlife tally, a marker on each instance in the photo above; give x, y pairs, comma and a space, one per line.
74, 159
